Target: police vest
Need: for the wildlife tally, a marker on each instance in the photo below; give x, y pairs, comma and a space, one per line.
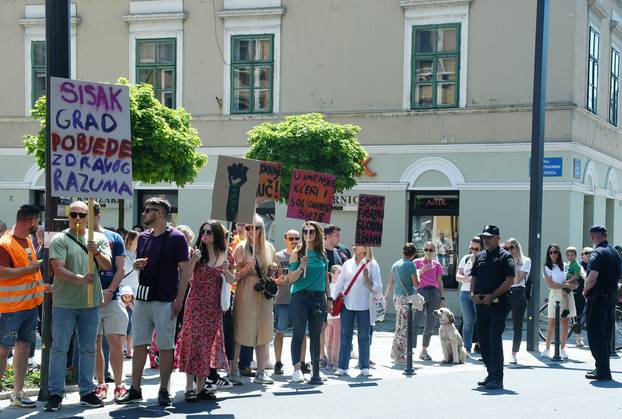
24, 292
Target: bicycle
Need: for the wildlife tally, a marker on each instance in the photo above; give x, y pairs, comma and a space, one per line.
577, 327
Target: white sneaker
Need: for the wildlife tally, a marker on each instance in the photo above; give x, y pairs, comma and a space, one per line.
513, 359
365, 372
253, 365
546, 353
269, 365
298, 377
340, 372
563, 354
263, 378
580, 343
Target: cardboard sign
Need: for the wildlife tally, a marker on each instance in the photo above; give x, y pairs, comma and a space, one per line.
235, 189
269, 188
369, 220
311, 196
91, 139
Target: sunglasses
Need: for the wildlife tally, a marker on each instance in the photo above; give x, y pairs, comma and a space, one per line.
148, 210
553, 252
428, 250
207, 232
305, 231
293, 239
77, 214
250, 228
474, 248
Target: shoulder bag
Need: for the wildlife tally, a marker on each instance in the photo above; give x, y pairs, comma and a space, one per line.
338, 304
417, 299
82, 246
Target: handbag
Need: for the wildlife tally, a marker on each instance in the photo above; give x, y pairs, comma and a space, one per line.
339, 303
225, 294
416, 299
381, 306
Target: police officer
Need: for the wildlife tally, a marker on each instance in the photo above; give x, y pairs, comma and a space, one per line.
491, 277
603, 272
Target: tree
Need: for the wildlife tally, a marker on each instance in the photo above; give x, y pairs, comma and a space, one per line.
164, 144
310, 142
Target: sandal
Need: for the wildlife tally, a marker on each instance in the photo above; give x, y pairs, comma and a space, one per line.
206, 395
190, 396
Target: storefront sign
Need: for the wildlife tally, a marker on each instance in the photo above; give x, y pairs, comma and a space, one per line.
269, 188
235, 189
311, 196
369, 220
436, 202
345, 202
91, 139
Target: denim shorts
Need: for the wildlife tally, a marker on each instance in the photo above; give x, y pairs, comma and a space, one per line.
18, 326
281, 317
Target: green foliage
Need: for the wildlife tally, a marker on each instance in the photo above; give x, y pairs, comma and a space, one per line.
164, 144
309, 142
32, 379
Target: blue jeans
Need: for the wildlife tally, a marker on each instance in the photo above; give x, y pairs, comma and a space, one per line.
246, 357
347, 331
86, 322
468, 318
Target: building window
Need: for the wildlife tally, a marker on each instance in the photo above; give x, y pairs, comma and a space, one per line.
435, 66
614, 86
156, 65
592, 71
434, 218
252, 68
38, 70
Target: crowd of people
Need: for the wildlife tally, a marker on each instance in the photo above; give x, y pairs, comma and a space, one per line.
205, 303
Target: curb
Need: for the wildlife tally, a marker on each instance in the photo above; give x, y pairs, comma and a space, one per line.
34, 392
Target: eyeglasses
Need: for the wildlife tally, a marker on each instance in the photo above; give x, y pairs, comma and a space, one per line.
293, 239
305, 231
148, 210
428, 250
250, 228
474, 248
553, 252
77, 214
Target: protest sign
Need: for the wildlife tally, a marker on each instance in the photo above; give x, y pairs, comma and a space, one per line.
269, 188
311, 196
235, 189
369, 220
91, 139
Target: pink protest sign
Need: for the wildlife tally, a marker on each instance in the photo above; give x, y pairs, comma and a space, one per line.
91, 139
311, 196
369, 220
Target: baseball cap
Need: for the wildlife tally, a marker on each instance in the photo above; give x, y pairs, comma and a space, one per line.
490, 231
598, 228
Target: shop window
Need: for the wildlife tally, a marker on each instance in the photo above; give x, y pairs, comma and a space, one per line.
434, 217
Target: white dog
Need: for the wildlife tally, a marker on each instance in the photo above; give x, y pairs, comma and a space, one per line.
451, 341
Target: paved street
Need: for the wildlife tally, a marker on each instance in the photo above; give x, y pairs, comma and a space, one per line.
535, 387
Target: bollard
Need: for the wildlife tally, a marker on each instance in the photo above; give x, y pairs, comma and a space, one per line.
409, 342
557, 357
316, 330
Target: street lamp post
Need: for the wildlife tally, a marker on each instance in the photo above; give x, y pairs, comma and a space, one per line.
57, 59
537, 168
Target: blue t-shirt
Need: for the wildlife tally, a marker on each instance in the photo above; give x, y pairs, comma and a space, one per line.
315, 280
117, 248
403, 271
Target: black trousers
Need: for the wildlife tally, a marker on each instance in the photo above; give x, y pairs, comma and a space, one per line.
599, 322
490, 327
518, 305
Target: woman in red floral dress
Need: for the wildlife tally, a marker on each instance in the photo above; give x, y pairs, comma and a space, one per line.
201, 341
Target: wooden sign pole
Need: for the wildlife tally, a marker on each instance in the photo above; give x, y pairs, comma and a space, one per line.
91, 257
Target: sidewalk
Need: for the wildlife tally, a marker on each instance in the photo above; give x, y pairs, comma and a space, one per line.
385, 371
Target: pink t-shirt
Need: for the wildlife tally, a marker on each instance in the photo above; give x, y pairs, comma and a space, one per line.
428, 279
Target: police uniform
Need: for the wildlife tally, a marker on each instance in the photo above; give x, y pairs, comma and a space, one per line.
491, 268
601, 300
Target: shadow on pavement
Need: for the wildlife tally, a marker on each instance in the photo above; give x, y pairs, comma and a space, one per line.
606, 384
500, 392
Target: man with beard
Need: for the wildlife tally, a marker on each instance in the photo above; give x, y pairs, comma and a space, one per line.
22, 289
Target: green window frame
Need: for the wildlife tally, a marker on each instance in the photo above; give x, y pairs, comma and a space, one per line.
37, 68
614, 86
435, 66
252, 74
592, 70
156, 64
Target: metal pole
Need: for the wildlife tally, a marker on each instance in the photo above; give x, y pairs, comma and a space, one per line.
316, 330
537, 156
556, 356
57, 58
409, 342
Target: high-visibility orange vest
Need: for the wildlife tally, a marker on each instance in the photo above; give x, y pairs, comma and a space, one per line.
24, 292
